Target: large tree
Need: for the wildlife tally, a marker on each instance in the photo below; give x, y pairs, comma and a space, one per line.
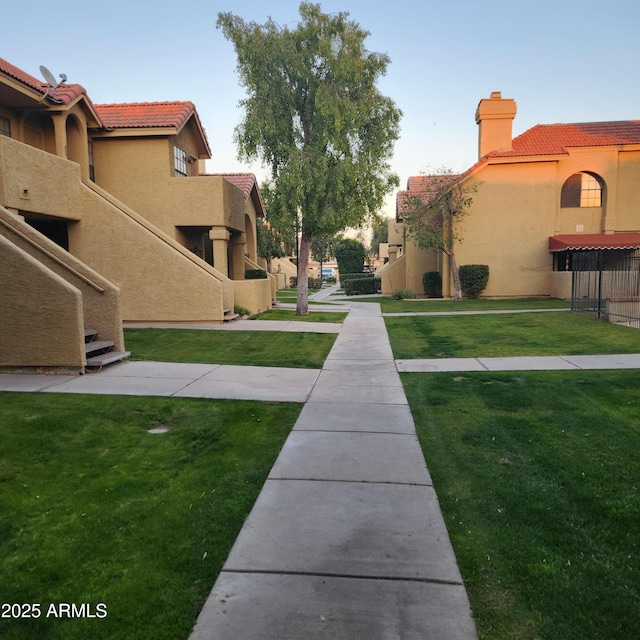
432, 211
314, 116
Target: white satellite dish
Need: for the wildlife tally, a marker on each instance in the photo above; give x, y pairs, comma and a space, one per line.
48, 77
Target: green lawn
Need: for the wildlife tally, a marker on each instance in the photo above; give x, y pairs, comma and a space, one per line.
290, 314
554, 333
259, 348
94, 509
389, 305
538, 476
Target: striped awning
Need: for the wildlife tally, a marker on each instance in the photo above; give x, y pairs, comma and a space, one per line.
593, 241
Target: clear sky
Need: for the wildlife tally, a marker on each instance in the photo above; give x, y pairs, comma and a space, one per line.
561, 60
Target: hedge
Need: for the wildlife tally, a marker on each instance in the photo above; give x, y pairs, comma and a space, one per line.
312, 283
360, 286
255, 274
432, 284
473, 279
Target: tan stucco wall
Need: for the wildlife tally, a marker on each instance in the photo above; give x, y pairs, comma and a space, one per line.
101, 309
36, 181
137, 173
40, 314
254, 295
160, 280
517, 208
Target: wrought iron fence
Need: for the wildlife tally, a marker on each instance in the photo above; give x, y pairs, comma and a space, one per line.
607, 283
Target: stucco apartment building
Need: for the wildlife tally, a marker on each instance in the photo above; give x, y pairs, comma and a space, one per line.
554, 190
105, 217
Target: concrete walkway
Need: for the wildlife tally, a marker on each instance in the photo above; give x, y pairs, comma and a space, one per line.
346, 539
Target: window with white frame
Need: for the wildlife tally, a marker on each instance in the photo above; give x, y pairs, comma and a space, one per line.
180, 161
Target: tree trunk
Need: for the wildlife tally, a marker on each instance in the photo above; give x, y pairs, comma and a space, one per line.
455, 276
302, 300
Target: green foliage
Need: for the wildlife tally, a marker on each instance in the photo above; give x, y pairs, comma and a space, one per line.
354, 276
322, 247
312, 283
361, 286
350, 255
255, 274
432, 283
314, 115
241, 311
404, 294
270, 243
473, 279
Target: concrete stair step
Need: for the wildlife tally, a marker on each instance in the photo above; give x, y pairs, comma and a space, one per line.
97, 347
104, 359
229, 315
89, 334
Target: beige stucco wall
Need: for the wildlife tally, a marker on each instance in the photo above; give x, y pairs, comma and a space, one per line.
160, 280
101, 309
140, 174
254, 295
35, 181
41, 315
517, 208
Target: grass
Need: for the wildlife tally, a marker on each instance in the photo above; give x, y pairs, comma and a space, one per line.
290, 314
538, 476
389, 305
507, 335
94, 509
259, 348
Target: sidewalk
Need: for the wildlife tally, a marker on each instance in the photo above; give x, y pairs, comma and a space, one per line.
346, 539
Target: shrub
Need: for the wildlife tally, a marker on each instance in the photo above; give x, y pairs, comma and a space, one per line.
241, 311
354, 276
360, 286
350, 255
403, 294
473, 279
255, 274
312, 283
432, 284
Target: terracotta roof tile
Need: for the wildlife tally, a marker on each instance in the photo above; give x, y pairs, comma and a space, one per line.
426, 186
63, 93
244, 181
145, 114
555, 139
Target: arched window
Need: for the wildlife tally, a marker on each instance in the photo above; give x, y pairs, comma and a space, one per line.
582, 190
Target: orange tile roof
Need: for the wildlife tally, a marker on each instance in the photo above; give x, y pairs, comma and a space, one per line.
555, 139
145, 114
244, 181
62, 94
426, 186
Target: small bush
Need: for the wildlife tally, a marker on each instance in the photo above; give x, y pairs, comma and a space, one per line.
255, 274
473, 279
361, 286
330, 280
241, 311
403, 294
432, 284
312, 283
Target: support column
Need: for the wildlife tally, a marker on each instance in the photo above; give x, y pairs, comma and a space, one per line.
238, 244
220, 239
60, 134
393, 253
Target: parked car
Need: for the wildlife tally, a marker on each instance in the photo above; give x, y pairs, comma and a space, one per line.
328, 272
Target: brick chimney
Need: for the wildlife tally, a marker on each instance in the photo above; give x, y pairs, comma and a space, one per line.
494, 117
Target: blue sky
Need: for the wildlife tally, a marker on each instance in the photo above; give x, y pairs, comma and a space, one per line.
562, 61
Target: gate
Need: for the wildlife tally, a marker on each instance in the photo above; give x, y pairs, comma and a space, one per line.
607, 284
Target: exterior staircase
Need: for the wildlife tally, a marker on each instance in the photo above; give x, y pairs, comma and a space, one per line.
230, 315
99, 352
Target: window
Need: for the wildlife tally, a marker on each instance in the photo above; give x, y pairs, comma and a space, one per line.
180, 162
92, 168
5, 127
581, 190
